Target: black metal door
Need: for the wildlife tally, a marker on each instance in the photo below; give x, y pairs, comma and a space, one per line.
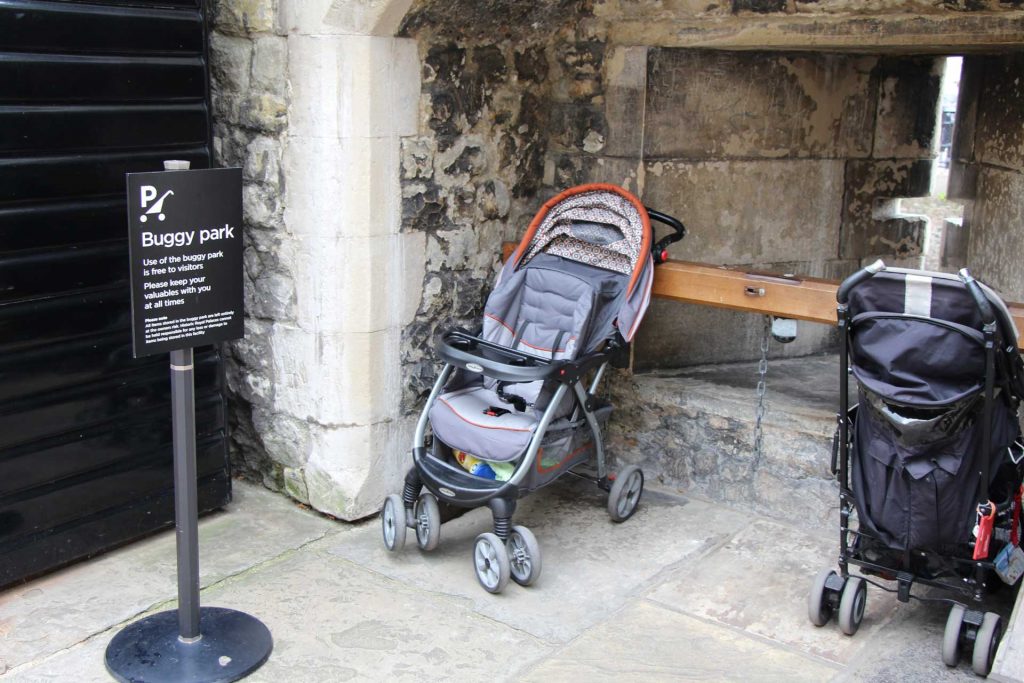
88, 92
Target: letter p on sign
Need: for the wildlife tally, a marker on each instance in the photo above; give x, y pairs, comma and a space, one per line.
148, 193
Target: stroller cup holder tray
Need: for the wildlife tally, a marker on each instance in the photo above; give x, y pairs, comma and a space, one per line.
479, 355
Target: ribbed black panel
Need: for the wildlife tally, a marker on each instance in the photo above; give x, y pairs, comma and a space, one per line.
88, 92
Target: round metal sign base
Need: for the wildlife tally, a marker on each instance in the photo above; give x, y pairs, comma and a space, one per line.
233, 644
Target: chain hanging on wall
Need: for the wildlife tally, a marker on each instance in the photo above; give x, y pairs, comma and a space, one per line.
782, 330
762, 372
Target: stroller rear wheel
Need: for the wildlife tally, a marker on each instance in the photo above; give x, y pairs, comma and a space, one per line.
951, 636
624, 497
851, 605
986, 643
392, 522
523, 556
490, 559
428, 521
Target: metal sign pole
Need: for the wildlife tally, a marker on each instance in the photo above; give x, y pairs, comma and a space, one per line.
186, 494
193, 643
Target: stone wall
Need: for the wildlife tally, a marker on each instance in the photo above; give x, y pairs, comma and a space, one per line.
311, 99
382, 174
988, 169
249, 96
492, 90
780, 162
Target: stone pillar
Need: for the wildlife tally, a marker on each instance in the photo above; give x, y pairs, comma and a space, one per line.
322, 379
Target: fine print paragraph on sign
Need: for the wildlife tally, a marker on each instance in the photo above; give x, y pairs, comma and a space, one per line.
168, 280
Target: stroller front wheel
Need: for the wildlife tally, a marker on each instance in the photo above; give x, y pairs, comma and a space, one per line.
490, 559
523, 556
986, 643
851, 605
392, 523
428, 522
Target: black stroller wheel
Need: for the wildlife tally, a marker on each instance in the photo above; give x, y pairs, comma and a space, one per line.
523, 556
624, 498
951, 636
819, 608
986, 643
851, 605
428, 521
392, 522
490, 559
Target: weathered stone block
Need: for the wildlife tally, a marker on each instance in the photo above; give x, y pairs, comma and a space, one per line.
261, 206
907, 102
244, 17
954, 244
263, 162
1000, 131
264, 112
270, 65
870, 225
675, 335
626, 76
363, 177
230, 63
750, 211
353, 86
720, 105
562, 171
996, 240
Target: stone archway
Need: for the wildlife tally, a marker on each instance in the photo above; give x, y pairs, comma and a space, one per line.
314, 97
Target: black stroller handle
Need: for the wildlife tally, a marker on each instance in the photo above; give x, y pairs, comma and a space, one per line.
843, 293
988, 315
659, 250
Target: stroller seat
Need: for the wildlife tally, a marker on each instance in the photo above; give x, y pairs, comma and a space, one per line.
547, 310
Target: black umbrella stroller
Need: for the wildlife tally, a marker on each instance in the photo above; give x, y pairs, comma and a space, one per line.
930, 459
514, 406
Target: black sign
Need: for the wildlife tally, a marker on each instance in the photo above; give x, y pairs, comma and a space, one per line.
185, 246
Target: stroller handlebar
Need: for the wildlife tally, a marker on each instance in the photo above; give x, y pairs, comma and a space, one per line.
843, 293
660, 249
466, 351
493, 360
988, 315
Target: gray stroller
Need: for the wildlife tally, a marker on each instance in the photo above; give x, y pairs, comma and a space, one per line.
514, 406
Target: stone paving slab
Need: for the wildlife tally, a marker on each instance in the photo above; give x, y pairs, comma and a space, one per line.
909, 648
758, 583
591, 566
334, 621
648, 642
41, 617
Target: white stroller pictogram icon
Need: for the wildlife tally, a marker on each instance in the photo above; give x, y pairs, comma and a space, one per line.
157, 208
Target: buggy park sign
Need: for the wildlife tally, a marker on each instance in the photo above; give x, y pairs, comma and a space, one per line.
185, 248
